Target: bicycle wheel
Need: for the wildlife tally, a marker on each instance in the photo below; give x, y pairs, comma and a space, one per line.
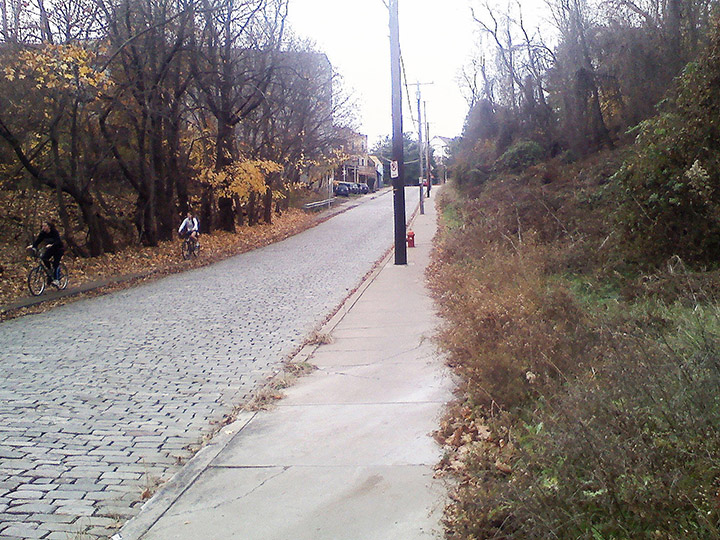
63, 277
36, 280
185, 249
195, 248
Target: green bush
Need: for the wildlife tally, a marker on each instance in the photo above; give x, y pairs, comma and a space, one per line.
631, 450
521, 155
668, 189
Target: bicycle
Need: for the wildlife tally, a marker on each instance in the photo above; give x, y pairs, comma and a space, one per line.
190, 248
42, 274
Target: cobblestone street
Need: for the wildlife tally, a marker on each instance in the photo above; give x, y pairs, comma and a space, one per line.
103, 398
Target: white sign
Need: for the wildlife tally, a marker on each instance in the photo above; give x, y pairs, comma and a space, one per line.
394, 169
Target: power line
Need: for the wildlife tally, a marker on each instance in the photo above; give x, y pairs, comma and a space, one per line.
407, 90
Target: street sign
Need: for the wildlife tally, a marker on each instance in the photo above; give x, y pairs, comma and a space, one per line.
394, 169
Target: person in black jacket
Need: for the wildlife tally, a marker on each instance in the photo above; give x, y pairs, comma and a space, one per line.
54, 248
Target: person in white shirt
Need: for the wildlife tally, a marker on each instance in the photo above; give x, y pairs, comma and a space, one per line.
189, 227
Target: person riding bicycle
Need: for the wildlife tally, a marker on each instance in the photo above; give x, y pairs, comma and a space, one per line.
54, 247
190, 228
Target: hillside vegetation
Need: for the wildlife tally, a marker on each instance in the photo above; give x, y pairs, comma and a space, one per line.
576, 271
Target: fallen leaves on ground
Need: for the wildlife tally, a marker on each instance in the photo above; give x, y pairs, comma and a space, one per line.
139, 261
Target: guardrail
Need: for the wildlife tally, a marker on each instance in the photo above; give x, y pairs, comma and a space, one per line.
319, 204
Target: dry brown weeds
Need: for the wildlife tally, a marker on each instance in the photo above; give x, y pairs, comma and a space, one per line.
575, 418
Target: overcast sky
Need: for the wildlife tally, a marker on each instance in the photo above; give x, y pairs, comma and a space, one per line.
436, 38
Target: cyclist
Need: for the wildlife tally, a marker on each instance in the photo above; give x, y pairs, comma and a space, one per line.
190, 228
54, 247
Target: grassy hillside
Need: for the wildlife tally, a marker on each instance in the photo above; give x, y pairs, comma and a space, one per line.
589, 404
581, 313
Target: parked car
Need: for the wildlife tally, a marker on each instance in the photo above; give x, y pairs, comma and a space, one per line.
364, 188
341, 189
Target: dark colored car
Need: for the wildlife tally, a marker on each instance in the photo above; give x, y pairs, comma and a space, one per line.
341, 189
364, 188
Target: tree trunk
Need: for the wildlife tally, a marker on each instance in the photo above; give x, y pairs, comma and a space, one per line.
673, 32
163, 185
226, 217
179, 180
67, 226
181, 186
145, 221
588, 97
252, 212
268, 202
99, 239
206, 210
239, 216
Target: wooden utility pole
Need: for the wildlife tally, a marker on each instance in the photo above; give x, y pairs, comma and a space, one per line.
427, 150
420, 150
397, 169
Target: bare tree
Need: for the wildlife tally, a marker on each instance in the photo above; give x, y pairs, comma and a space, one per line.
234, 60
105, 101
13, 12
299, 121
584, 115
523, 61
51, 97
142, 114
476, 80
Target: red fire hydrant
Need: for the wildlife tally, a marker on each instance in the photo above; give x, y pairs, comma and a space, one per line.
410, 239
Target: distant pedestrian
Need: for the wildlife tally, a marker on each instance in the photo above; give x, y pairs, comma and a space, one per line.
49, 238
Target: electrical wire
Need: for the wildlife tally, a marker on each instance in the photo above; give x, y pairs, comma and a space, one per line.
405, 83
407, 91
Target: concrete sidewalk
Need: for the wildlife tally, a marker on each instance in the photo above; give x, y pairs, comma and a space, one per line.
348, 453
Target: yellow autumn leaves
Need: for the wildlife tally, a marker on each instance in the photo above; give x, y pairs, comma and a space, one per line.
240, 178
59, 67
70, 69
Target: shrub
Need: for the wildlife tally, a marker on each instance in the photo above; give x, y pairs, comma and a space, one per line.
670, 204
593, 419
630, 450
472, 168
503, 318
521, 155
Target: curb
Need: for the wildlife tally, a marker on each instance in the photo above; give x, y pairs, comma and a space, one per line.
68, 293
172, 490
92, 286
181, 481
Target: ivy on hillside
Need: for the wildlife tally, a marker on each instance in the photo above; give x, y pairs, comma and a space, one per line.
670, 201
